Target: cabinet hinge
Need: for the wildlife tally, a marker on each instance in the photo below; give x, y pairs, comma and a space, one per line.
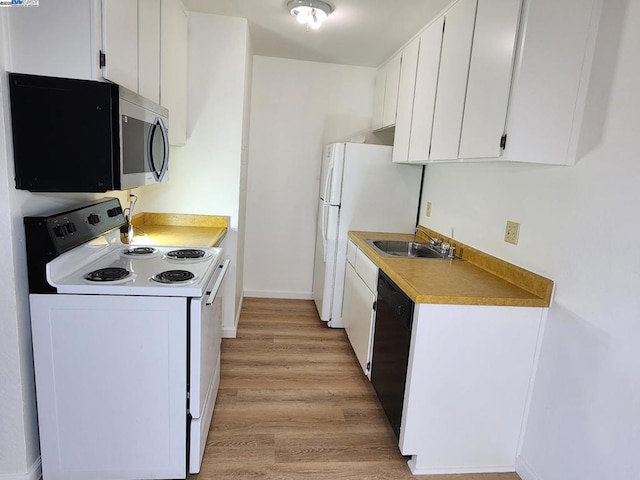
103, 59
503, 141
375, 304
368, 366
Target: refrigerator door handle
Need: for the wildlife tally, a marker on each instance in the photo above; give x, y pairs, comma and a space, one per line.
327, 184
325, 220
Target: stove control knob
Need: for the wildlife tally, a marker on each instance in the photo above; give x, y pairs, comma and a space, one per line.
93, 219
71, 227
114, 212
60, 230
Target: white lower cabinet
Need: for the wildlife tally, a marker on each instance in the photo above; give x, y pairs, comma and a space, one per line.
469, 375
469, 378
358, 314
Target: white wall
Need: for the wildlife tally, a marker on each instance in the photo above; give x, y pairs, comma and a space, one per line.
297, 107
244, 173
205, 176
579, 227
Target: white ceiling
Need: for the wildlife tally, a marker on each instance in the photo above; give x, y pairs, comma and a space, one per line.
358, 32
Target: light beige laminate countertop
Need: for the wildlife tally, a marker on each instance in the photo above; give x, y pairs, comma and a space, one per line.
179, 230
479, 279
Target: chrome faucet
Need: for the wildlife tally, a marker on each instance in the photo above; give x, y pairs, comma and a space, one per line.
434, 241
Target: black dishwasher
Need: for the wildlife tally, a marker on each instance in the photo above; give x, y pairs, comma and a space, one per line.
391, 339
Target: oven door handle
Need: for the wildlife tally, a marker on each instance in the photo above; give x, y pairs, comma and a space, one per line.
216, 286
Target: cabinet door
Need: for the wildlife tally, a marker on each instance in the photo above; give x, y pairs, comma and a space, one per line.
391, 91
378, 99
358, 315
173, 75
452, 80
75, 26
352, 250
490, 72
425, 92
149, 49
367, 270
551, 80
405, 101
120, 42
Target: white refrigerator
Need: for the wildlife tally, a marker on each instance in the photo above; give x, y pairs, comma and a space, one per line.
360, 189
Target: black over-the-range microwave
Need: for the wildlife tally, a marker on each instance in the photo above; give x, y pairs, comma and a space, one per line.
74, 135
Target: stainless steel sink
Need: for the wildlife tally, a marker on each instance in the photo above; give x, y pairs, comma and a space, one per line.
401, 248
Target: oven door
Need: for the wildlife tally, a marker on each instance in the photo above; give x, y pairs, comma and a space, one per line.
204, 376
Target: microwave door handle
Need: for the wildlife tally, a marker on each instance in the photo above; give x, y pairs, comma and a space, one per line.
158, 173
216, 286
165, 143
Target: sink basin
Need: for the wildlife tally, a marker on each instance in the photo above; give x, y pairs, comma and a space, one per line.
401, 248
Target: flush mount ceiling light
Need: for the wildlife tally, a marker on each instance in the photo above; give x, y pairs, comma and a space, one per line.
310, 12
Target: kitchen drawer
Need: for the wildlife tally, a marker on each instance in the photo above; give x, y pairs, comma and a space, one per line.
367, 270
351, 253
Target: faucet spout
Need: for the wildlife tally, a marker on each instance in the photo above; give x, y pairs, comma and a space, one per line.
434, 241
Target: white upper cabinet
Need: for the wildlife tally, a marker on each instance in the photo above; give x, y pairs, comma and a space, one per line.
143, 44
471, 103
555, 54
378, 99
386, 94
404, 109
149, 49
173, 78
452, 80
490, 72
120, 42
391, 91
131, 45
425, 92
75, 26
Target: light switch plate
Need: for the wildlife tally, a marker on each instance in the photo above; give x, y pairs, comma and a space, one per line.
512, 232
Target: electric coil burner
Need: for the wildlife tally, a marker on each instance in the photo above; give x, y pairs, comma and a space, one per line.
187, 254
140, 251
173, 276
111, 274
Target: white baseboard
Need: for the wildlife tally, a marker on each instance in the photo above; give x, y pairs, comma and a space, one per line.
228, 333
34, 473
524, 470
283, 295
417, 470
232, 332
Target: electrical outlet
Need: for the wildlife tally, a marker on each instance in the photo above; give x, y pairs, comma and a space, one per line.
428, 211
512, 232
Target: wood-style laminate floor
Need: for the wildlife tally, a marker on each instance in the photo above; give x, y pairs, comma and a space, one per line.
294, 404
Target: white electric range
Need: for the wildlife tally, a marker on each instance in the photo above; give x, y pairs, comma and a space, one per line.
126, 343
